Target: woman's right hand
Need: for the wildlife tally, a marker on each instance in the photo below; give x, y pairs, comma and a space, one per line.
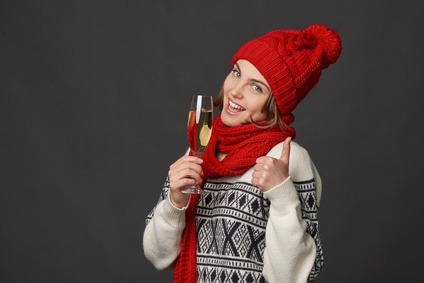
182, 174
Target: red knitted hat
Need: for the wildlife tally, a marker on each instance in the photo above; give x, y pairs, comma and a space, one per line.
292, 61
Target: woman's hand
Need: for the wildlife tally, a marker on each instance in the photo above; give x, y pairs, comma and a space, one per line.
182, 174
269, 172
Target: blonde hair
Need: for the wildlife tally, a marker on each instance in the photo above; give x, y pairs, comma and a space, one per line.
270, 109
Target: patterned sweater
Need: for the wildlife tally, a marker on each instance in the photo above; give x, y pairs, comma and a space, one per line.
244, 235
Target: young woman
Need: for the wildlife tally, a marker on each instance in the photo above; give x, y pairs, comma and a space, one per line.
258, 221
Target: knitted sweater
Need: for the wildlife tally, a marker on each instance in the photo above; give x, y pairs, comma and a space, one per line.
244, 235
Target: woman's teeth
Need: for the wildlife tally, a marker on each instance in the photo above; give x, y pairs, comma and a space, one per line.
234, 106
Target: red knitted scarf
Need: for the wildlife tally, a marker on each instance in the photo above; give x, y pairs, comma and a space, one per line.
242, 146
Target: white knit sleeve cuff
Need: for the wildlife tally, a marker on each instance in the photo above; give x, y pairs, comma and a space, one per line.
173, 215
283, 197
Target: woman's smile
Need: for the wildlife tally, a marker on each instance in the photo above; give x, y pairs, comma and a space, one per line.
233, 108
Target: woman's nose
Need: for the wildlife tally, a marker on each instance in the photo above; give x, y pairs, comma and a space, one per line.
236, 91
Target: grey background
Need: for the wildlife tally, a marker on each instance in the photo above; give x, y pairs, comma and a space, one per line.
94, 98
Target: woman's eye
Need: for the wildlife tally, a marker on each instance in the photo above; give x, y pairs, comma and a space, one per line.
257, 88
236, 73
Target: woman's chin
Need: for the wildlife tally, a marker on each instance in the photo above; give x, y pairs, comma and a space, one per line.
230, 120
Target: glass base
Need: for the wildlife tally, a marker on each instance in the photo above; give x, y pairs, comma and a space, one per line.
196, 190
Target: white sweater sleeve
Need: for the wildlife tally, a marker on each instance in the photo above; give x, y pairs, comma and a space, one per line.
290, 251
162, 235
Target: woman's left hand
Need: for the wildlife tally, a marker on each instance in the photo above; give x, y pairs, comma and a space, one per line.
268, 172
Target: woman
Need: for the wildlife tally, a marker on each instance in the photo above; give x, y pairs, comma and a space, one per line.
258, 222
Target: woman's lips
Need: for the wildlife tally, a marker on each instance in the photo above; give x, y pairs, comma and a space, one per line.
234, 108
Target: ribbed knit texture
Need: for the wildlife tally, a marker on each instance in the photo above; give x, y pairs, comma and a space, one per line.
185, 266
242, 146
292, 62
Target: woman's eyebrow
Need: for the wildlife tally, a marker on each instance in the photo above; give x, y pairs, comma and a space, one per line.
238, 68
259, 82
252, 79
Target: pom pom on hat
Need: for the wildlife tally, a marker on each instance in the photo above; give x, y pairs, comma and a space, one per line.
329, 41
292, 62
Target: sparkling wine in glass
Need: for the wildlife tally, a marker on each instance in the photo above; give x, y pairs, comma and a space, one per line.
199, 129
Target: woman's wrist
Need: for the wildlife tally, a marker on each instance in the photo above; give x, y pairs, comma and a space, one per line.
179, 206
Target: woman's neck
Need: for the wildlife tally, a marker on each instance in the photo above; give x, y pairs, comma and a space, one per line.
220, 156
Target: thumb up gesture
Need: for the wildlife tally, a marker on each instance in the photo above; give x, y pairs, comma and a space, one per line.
268, 172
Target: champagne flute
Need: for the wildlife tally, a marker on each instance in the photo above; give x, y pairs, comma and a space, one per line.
199, 129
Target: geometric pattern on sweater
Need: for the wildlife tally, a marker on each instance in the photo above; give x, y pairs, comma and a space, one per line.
163, 195
231, 221
309, 207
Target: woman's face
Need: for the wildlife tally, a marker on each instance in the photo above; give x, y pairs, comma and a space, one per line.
245, 93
